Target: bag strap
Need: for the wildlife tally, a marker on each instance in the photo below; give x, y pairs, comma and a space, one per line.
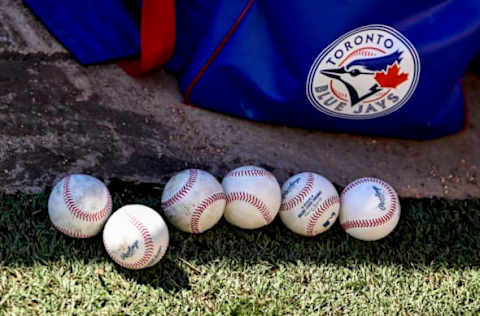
157, 37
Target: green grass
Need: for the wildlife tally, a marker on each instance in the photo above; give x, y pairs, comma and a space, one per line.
429, 265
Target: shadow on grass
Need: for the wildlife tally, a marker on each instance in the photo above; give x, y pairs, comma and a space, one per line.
436, 233
27, 238
430, 232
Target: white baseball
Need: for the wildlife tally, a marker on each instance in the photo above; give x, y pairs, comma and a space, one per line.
310, 204
253, 197
136, 237
79, 205
370, 209
193, 201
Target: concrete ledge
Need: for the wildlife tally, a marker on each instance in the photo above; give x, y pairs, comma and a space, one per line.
58, 118
22, 33
61, 118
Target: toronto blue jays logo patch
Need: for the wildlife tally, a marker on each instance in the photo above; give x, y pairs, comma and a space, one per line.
369, 72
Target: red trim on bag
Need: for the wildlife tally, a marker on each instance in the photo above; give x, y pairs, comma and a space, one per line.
157, 37
216, 52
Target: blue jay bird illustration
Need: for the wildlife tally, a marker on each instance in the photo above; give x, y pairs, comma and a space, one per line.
359, 75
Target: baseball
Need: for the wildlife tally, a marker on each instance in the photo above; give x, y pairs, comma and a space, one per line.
310, 204
79, 205
193, 201
253, 197
135, 237
370, 209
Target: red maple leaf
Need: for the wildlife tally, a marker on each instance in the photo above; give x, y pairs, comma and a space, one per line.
392, 78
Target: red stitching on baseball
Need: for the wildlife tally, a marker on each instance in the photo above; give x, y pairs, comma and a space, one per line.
147, 241
81, 214
319, 212
249, 173
287, 205
155, 259
71, 233
197, 213
252, 200
192, 178
373, 222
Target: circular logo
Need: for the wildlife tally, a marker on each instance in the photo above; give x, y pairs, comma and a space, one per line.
369, 72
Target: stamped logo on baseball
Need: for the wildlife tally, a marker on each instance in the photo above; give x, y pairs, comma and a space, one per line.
370, 209
310, 204
136, 237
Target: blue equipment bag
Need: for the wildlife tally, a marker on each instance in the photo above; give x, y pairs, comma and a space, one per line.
366, 67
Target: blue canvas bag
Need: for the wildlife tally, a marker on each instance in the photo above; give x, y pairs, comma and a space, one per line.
365, 67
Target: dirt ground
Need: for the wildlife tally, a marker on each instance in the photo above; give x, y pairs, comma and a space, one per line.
59, 117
